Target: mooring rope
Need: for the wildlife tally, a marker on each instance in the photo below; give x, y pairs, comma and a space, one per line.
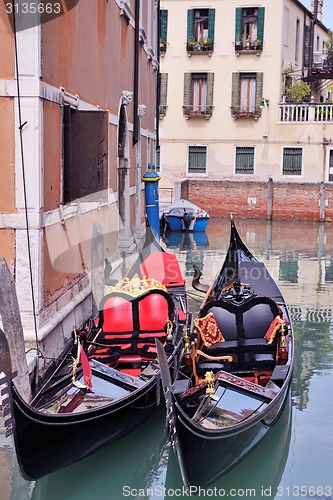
21, 125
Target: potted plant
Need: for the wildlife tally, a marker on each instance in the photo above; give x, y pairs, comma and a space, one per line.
191, 44
238, 42
206, 44
162, 45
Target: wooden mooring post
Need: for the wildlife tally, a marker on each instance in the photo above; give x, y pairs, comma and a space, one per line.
12, 327
97, 267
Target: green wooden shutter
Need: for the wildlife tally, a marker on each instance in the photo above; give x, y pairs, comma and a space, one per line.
238, 25
190, 24
210, 92
306, 45
235, 94
164, 25
259, 88
187, 92
261, 19
163, 92
211, 26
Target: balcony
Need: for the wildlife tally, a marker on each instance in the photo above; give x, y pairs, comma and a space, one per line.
254, 47
198, 111
163, 47
306, 112
199, 47
245, 111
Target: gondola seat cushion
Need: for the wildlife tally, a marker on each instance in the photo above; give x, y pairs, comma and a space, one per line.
132, 323
209, 330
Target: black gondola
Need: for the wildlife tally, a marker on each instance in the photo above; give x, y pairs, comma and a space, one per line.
109, 382
236, 370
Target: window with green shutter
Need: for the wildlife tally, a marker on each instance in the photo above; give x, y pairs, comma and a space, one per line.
292, 161
244, 160
200, 30
249, 28
197, 159
163, 30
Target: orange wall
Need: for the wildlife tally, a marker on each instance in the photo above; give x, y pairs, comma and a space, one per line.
7, 246
52, 155
7, 167
90, 52
83, 49
7, 45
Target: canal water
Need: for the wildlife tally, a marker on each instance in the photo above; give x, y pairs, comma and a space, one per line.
295, 458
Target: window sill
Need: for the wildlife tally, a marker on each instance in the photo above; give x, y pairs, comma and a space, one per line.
248, 51
191, 53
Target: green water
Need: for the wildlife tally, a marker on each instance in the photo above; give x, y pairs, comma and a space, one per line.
295, 458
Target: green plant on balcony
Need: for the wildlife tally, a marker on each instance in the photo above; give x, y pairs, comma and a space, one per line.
191, 44
162, 45
298, 92
205, 43
238, 41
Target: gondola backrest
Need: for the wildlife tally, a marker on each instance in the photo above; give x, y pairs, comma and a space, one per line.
121, 313
250, 320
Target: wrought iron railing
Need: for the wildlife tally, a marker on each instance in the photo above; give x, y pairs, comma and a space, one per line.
247, 46
198, 110
239, 111
201, 46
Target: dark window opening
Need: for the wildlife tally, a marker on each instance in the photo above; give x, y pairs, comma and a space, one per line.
244, 160
292, 161
85, 153
197, 159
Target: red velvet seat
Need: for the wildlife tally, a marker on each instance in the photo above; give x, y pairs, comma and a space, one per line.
130, 326
164, 267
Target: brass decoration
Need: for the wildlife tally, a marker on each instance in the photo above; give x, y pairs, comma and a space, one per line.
169, 328
136, 286
209, 380
187, 341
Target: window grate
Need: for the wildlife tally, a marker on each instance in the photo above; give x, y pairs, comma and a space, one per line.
197, 159
244, 160
292, 161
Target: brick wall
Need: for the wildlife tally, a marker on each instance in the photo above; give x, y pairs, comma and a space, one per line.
251, 199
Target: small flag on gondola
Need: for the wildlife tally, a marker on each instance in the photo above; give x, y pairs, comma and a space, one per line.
87, 373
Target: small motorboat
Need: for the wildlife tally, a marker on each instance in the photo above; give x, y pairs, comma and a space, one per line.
236, 371
185, 216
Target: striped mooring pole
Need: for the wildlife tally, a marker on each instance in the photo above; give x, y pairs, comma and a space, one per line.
151, 179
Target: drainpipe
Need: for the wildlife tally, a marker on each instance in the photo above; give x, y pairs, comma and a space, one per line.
136, 123
312, 28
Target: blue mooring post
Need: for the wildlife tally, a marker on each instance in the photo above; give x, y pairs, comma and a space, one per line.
151, 179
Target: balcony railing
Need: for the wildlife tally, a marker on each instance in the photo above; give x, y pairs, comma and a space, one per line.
245, 111
306, 112
241, 46
321, 61
198, 111
199, 47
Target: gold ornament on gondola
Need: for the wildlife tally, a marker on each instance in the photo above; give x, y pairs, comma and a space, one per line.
210, 381
136, 286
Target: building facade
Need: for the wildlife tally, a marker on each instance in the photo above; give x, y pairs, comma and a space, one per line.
77, 130
246, 98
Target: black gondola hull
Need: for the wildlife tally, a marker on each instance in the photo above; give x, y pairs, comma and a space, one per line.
241, 362
205, 456
46, 443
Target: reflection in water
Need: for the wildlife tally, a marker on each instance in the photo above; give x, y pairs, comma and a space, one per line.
299, 255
